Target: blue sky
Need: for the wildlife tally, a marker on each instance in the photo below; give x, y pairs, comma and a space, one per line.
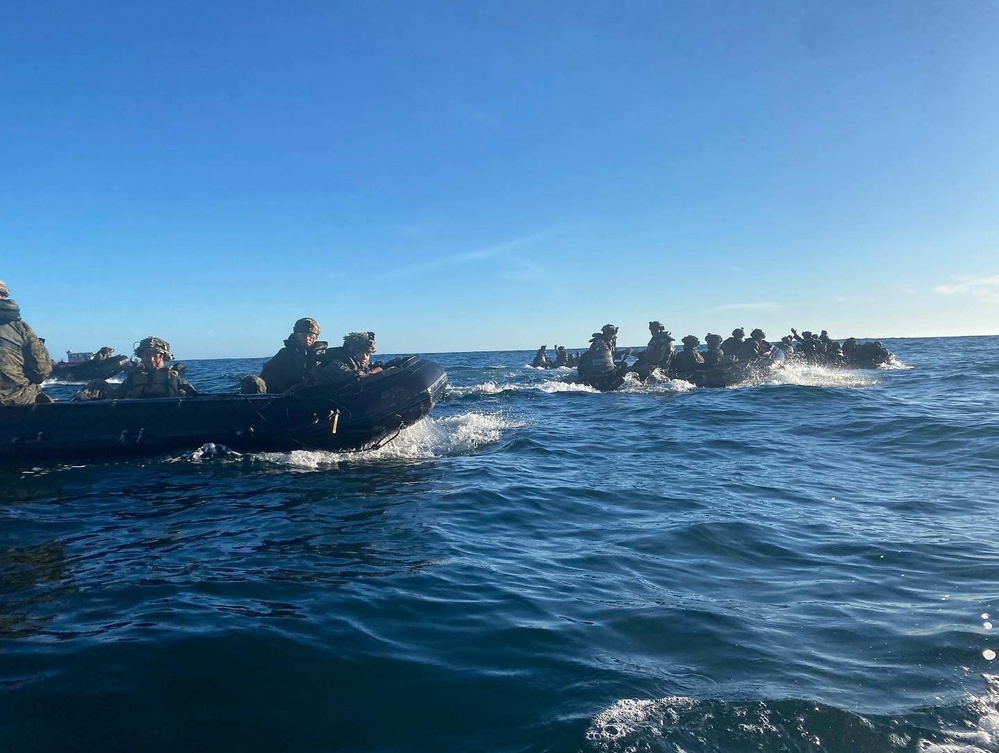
497, 175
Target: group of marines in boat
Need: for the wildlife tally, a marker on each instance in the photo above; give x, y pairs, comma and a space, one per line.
724, 362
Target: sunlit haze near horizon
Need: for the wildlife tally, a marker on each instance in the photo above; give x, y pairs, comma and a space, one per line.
497, 175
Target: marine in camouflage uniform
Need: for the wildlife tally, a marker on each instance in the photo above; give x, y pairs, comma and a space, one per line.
688, 360
292, 364
151, 377
348, 363
735, 346
658, 354
24, 361
714, 356
541, 358
760, 338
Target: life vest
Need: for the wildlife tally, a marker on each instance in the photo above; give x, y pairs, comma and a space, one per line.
158, 383
595, 362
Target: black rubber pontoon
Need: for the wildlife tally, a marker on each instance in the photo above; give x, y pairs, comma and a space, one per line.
356, 416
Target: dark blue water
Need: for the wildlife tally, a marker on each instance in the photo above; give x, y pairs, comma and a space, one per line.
810, 564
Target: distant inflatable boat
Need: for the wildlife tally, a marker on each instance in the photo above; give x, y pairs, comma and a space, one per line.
361, 415
88, 369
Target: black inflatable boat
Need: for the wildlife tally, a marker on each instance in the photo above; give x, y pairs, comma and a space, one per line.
357, 416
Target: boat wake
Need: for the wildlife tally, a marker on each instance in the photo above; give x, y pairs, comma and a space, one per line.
427, 439
50, 382
811, 375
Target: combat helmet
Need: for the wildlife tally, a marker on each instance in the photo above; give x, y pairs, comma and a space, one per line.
656, 326
691, 340
361, 342
738, 332
609, 329
712, 339
757, 333
307, 326
156, 345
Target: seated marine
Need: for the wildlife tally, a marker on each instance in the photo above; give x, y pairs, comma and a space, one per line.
733, 345
150, 377
292, 364
609, 332
807, 344
759, 337
596, 366
688, 360
747, 350
350, 362
24, 361
834, 354
658, 354
561, 356
714, 356
786, 344
541, 358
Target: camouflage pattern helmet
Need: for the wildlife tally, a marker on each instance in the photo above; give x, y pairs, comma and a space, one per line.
307, 325
738, 332
656, 326
609, 329
106, 349
4, 290
690, 340
712, 339
154, 344
360, 342
757, 333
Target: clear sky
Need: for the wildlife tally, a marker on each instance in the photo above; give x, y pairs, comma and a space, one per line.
497, 174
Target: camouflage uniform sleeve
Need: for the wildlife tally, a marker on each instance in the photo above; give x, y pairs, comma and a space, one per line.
276, 371
37, 363
334, 372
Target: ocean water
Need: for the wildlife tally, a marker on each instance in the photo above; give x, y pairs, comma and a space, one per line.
805, 564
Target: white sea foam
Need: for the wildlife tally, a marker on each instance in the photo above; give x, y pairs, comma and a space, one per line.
493, 388
485, 388
812, 375
116, 379
632, 724
655, 385
983, 736
629, 721
426, 439
555, 386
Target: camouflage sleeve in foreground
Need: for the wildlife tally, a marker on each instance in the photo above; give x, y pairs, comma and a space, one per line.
37, 362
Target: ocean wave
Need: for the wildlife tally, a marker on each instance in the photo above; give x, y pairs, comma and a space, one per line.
681, 723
